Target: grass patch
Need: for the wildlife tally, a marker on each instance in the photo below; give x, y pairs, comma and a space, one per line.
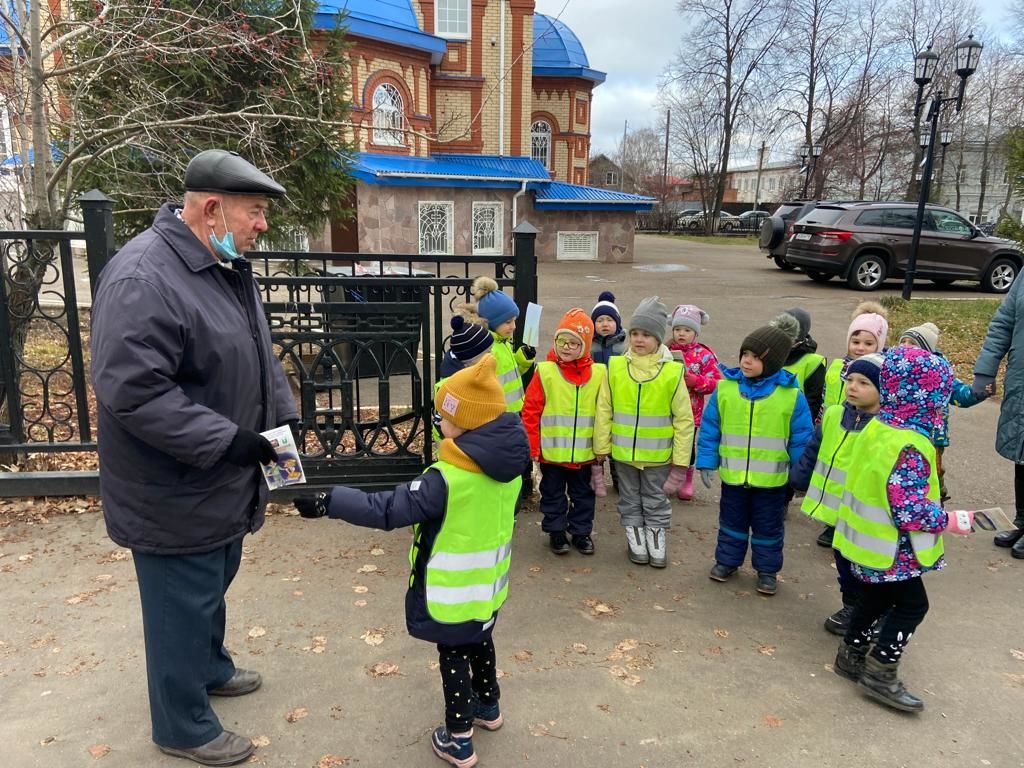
962, 325
708, 239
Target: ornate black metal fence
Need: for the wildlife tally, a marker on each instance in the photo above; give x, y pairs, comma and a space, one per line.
360, 337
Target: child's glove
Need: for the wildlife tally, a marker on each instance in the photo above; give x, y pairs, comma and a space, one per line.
707, 476
961, 521
597, 479
312, 506
983, 386
676, 478
691, 379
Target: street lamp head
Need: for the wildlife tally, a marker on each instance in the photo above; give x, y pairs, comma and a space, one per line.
925, 139
816, 150
968, 52
804, 152
924, 66
946, 137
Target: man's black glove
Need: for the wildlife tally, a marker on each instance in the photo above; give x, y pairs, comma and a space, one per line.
312, 506
530, 353
250, 448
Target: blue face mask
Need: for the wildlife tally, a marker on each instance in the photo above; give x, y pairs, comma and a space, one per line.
225, 246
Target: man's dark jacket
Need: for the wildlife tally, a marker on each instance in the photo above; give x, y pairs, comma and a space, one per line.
181, 359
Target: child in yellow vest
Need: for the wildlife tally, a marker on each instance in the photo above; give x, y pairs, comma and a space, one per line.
755, 427
461, 510
561, 403
823, 467
804, 362
499, 311
890, 522
645, 423
867, 333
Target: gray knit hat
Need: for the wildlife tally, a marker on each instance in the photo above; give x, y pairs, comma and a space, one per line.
651, 316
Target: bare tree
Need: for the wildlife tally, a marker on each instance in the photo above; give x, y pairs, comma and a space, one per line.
640, 158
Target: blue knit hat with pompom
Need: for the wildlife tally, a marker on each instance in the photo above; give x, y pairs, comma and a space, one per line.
469, 340
606, 306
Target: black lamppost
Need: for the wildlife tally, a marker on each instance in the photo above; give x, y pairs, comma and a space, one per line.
809, 154
967, 53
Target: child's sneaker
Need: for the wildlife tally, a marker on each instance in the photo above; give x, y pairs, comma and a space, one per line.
457, 750
721, 572
487, 716
767, 584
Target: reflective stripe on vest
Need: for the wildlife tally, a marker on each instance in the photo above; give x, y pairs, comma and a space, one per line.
804, 367
466, 576
835, 384
828, 481
567, 423
508, 374
865, 531
642, 412
754, 446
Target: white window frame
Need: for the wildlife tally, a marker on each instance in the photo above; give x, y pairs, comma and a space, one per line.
499, 219
563, 236
534, 134
962, 175
388, 119
448, 207
449, 35
611, 177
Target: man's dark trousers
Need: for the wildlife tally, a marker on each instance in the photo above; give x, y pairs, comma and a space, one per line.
753, 514
183, 615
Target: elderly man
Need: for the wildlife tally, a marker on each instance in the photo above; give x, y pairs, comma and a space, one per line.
185, 381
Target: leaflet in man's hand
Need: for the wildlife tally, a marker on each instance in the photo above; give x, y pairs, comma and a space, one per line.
288, 469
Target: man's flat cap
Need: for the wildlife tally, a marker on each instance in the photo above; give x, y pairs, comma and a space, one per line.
217, 170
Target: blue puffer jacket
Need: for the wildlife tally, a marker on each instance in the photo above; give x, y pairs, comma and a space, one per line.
1006, 339
605, 347
502, 451
801, 426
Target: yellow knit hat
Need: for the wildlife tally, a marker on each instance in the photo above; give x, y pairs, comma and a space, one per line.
472, 397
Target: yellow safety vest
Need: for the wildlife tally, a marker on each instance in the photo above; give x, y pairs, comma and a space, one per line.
754, 446
508, 373
828, 482
567, 422
835, 384
642, 412
467, 573
865, 531
804, 367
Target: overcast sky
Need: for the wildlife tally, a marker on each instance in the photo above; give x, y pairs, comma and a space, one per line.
633, 40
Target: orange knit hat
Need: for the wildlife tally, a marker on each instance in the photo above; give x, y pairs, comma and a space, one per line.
472, 397
577, 323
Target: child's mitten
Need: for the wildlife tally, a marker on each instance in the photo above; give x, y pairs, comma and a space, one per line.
597, 479
960, 521
676, 478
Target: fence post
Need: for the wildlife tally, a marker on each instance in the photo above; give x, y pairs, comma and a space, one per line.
98, 217
524, 254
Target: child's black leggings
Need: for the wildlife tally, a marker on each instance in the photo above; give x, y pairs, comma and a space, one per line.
467, 673
904, 605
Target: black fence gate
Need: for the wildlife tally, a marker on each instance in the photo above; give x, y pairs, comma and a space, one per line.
360, 337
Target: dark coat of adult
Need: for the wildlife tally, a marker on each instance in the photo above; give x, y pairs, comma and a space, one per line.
1005, 338
181, 359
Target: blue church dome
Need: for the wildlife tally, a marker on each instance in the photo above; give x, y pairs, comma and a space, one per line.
390, 21
557, 52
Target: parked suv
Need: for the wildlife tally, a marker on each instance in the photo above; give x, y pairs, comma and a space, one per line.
866, 243
777, 229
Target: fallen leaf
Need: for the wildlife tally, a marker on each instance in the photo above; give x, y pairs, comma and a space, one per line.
261, 741
26, 559
47, 741
604, 707
622, 649
318, 645
523, 656
1018, 655
257, 632
360, 603
535, 569
384, 669
331, 761
359, 589
296, 714
103, 577
772, 721
579, 647
297, 593
715, 650
767, 650
81, 597
373, 636
376, 551
723, 633
583, 571
369, 568
599, 608
337, 712
45, 640
99, 750
621, 673
499, 674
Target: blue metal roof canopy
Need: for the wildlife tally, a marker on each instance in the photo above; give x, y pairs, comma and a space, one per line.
559, 196
557, 52
390, 21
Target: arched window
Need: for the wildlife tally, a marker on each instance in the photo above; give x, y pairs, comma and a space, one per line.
540, 143
388, 116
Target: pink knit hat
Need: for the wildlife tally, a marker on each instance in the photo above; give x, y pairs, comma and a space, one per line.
689, 316
874, 324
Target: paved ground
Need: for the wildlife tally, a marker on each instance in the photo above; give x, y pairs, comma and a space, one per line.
604, 663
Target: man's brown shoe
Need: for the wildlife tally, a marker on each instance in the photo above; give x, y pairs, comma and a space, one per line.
242, 682
227, 749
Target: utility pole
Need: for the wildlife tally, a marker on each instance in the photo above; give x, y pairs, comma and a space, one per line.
760, 166
622, 154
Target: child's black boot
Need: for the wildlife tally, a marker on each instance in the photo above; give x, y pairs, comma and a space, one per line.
850, 661
882, 683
